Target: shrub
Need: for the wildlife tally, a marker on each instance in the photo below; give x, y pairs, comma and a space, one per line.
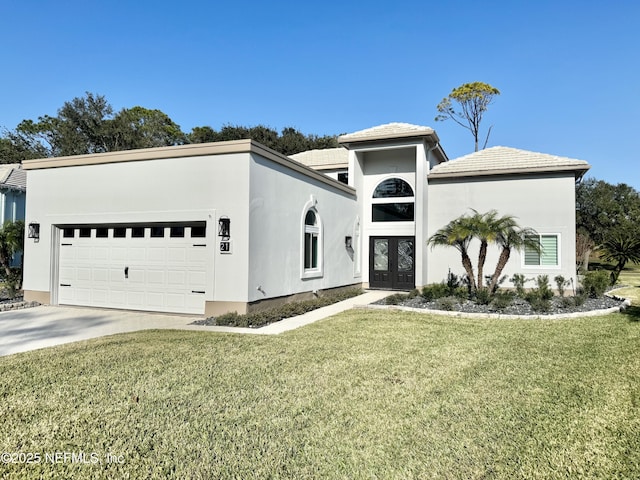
447, 303
595, 283
579, 299
435, 291
292, 309
518, 281
483, 296
413, 293
395, 299
502, 300
543, 288
539, 304
560, 283
461, 293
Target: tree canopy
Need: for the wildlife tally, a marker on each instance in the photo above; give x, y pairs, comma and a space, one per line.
88, 124
473, 100
602, 208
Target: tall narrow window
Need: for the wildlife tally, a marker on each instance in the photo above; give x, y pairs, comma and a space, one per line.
393, 201
311, 242
311, 236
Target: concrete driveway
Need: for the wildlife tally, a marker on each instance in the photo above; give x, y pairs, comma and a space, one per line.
46, 326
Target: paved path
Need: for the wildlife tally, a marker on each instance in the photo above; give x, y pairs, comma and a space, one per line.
46, 326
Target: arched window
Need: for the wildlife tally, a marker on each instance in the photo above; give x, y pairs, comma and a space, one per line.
393, 201
312, 244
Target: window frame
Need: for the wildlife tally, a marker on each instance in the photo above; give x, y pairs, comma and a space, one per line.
312, 232
540, 265
402, 200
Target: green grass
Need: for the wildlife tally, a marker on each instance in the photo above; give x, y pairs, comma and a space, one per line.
630, 276
366, 394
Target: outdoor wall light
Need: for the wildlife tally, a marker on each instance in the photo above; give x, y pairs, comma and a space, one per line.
34, 231
224, 227
348, 243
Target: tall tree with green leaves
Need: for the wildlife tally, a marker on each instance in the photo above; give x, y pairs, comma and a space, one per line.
473, 99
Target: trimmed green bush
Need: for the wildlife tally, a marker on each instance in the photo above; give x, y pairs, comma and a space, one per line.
435, 291
395, 299
502, 299
447, 303
595, 283
288, 310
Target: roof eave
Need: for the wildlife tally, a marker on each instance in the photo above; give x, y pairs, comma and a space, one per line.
578, 172
433, 136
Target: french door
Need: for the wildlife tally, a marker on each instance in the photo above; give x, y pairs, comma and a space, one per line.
392, 262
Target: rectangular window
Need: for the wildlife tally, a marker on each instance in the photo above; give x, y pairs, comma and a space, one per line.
119, 232
157, 232
85, 233
343, 177
310, 251
198, 231
177, 232
548, 256
137, 232
102, 232
392, 212
68, 232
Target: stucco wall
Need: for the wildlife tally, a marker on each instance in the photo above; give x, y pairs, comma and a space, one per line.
166, 190
544, 203
279, 199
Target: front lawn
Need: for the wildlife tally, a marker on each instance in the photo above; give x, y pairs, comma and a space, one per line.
366, 394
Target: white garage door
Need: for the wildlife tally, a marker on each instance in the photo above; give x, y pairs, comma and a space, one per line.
141, 267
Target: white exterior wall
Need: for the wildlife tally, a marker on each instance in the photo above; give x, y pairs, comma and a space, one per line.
544, 203
279, 199
166, 190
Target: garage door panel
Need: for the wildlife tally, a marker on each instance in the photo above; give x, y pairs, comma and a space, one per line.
100, 254
84, 252
135, 273
176, 278
175, 300
156, 255
100, 275
118, 254
155, 277
176, 255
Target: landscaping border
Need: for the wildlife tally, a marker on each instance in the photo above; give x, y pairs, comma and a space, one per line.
501, 316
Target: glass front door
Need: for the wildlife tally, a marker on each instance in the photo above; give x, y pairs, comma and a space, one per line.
392, 263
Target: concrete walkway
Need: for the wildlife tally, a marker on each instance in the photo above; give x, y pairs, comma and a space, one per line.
46, 326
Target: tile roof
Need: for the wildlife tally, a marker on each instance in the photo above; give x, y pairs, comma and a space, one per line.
504, 160
323, 159
387, 131
12, 176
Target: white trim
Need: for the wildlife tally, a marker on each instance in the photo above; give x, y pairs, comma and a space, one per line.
318, 271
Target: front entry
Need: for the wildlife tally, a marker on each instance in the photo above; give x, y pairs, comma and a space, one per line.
392, 263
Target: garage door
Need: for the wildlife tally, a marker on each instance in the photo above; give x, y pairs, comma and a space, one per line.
139, 267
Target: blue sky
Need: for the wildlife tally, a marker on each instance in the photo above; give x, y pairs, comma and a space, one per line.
568, 71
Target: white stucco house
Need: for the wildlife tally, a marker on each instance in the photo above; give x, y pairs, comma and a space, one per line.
234, 226
13, 186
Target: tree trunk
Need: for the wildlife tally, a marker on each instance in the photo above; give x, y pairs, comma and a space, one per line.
482, 257
502, 261
468, 266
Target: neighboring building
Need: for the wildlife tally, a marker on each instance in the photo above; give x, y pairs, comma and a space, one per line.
231, 226
13, 185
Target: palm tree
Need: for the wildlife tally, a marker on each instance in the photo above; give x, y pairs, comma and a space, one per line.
511, 236
620, 247
11, 242
457, 233
485, 227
